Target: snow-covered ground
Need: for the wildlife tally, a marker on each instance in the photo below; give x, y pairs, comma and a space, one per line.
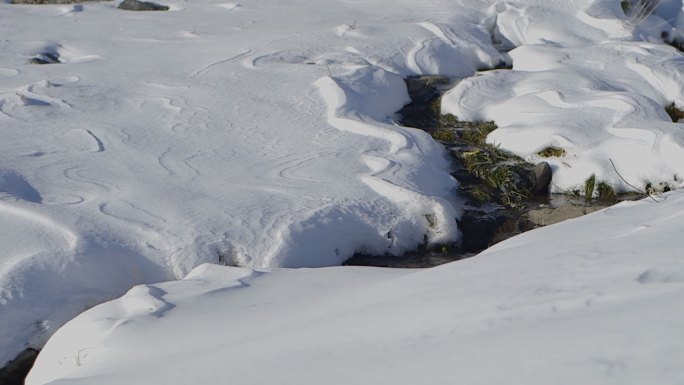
597, 300
592, 85
167, 139
261, 134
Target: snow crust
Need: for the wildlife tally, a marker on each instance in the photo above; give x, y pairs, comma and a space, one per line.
594, 300
213, 132
587, 80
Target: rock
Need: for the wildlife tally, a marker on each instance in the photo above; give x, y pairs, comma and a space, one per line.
542, 173
135, 5
481, 230
45, 58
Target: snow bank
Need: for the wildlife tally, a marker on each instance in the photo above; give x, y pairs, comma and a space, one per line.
213, 133
594, 300
261, 135
595, 85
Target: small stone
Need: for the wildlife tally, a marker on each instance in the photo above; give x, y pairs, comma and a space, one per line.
543, 173
45, 58
135, 5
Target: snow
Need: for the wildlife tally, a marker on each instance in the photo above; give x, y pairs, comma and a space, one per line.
164, 140
594, 85
261, 134
592, 300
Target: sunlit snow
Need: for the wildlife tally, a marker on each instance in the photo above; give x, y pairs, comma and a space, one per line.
262, 134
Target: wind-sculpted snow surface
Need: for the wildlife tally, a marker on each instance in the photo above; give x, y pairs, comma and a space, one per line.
595, 300
260, 134
595, 85
156, 142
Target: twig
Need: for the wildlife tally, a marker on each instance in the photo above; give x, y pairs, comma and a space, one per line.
633, 186
329, 72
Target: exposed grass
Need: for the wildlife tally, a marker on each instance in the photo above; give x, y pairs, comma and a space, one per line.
481, 194
606, 192
496, 170
481, 161
448, 121
550, 152
477, 133
513, 198
504, 176
675, 113
589, 186
474, 133
436, 107
444, 135
501, 177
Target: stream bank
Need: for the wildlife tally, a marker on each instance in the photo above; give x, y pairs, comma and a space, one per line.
503, 195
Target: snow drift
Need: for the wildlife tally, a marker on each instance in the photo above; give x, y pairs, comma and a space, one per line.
211, 133
593, 300
261, 134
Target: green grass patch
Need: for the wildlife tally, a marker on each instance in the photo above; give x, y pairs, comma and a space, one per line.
448, 121
551, 152
474, 133
589, 186
480, 162
504, 176
444, 135
481, 194
498, 172
606, 192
